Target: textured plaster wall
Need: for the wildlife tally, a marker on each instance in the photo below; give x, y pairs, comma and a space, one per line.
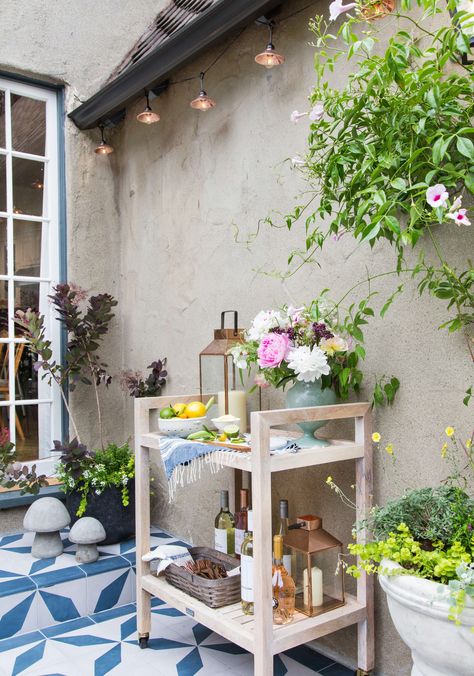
155, 224
79, 44
186, 185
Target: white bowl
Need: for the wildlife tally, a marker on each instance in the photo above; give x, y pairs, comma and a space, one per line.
222, 424
181, 427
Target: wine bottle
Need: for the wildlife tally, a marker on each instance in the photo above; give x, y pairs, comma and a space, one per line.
246, 568
224, 531
283, 586
283, 530
241, 520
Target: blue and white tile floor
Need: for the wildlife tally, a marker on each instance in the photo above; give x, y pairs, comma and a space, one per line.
36, 593
105, 643
91, 625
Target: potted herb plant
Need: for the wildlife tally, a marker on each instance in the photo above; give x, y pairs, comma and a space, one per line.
423, 552
100, 484
97, 483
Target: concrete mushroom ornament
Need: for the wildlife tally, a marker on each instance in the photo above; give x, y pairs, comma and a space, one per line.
46, 517
86, 533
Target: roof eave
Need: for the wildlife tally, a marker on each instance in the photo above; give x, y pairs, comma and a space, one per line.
187, 43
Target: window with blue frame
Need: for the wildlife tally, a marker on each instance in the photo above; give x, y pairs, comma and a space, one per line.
30, 259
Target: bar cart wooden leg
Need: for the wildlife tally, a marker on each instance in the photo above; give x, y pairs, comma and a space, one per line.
262, 548
142, 515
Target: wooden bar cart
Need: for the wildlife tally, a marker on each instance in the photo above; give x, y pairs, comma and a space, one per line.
257, 634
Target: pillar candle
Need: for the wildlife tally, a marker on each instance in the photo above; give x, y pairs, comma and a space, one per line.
237, 406
316, 586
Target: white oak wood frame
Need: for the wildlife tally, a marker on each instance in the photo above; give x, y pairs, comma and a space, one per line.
257, 634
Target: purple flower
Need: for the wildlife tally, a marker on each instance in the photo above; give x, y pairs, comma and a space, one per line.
320, 331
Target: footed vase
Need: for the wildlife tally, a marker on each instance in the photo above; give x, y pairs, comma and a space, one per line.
302, 395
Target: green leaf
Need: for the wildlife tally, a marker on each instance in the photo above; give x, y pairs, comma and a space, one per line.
399, 184
465, 147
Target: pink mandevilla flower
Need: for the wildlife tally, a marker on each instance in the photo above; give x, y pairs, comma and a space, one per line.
273, 349
437, 195
336, 8
296, 116
317, 112
459, 217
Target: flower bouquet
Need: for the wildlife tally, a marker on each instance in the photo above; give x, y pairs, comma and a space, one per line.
299, 344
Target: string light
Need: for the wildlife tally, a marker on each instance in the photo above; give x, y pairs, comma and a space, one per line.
270, 58
148, 116
203, 102
103, 148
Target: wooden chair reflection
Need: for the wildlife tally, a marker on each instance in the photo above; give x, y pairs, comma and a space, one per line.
4, 390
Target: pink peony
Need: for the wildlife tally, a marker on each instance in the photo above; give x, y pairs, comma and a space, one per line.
272, 349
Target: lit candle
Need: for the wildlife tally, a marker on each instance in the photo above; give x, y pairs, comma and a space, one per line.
237, 406
316, 586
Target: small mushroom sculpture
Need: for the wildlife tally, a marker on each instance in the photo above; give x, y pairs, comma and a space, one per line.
86, 533
46, 517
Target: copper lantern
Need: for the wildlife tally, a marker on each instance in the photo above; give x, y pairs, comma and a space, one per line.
315, 566
224, 339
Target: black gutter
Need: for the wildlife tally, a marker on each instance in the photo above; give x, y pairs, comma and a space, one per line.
184, 45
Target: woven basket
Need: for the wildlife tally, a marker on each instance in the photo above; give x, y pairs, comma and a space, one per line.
214, 593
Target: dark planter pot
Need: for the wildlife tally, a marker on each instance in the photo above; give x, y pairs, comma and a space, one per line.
118, 521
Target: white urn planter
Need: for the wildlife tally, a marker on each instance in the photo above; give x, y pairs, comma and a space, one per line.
419, 610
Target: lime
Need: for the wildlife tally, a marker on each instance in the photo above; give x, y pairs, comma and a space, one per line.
167, 413
231, 431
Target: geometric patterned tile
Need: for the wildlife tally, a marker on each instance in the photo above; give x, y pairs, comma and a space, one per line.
106, 644
18, 614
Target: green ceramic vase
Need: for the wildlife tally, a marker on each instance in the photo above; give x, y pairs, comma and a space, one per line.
302, 395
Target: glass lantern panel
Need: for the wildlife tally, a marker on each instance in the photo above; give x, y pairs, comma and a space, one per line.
319, 582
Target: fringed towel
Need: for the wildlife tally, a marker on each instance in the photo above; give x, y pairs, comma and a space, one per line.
185, 460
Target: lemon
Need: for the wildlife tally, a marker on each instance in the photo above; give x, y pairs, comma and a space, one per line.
196, 409
222, 437
180, 410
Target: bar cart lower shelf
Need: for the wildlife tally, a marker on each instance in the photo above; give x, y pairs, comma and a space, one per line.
257, 634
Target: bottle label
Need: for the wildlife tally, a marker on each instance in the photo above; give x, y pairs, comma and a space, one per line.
287, 563
239, 538
220, 540
246, 573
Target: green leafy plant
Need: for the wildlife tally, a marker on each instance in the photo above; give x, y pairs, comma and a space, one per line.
86, 321
12, 473
390, 153
93, 472
447, 564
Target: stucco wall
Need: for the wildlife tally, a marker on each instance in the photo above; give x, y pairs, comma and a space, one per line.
155, 222
184, 184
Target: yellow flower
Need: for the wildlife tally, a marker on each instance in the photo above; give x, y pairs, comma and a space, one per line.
376, 437
444, 450
449, 431
468, 443
329, 480
389, 449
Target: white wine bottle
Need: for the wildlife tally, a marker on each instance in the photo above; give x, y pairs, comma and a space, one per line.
246, 568
224, 531
283, 531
